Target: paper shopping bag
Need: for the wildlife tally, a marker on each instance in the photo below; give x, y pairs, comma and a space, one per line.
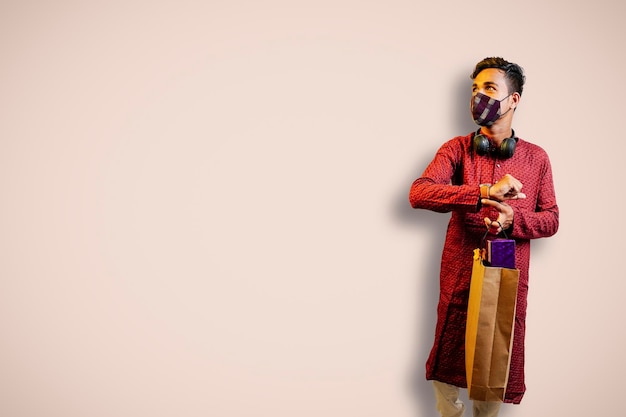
489, 331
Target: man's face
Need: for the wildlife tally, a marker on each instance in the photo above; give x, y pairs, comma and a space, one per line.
491, 82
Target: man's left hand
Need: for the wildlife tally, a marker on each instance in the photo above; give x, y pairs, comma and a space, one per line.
505, 216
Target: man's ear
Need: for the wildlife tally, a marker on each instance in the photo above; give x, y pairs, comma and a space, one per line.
516, 98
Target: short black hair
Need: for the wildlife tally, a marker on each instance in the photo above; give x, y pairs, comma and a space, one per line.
513, 73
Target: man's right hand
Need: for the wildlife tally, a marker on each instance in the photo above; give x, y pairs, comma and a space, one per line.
508, 188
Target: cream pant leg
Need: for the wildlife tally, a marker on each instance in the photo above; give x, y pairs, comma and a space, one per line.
486, 408
450, 405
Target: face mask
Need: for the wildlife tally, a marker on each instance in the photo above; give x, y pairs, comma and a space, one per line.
486, 110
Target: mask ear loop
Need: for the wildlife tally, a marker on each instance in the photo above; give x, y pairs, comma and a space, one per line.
509, 107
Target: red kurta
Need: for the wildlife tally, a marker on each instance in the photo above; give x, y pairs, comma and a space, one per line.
451, 183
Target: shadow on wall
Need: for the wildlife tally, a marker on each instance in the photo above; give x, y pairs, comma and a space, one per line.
461, 117
432, 227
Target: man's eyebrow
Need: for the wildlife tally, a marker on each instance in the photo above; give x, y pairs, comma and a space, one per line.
486, 83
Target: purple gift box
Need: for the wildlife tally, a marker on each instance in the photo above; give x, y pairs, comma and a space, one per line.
501, 253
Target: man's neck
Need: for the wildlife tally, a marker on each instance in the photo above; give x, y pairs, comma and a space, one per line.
497, 133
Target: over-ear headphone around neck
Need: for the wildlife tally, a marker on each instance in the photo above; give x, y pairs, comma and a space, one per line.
483, 146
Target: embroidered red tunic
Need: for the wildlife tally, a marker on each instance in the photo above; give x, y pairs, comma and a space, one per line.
451, 183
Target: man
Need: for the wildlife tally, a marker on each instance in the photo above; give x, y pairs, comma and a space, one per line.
479, 178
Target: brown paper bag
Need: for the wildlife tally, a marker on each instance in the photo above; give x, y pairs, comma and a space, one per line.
489, 332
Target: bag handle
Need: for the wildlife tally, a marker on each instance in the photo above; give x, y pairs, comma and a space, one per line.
482, 241
489, 228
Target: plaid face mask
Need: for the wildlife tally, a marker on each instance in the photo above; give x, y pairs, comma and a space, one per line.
485, 110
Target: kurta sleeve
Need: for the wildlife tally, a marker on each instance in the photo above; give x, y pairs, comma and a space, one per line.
435, 189
544, 220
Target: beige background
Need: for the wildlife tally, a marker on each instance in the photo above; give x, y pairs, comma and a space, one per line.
204, 207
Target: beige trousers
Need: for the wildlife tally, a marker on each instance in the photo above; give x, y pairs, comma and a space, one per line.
450, 405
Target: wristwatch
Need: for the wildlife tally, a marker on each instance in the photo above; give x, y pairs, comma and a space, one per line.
484, 190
